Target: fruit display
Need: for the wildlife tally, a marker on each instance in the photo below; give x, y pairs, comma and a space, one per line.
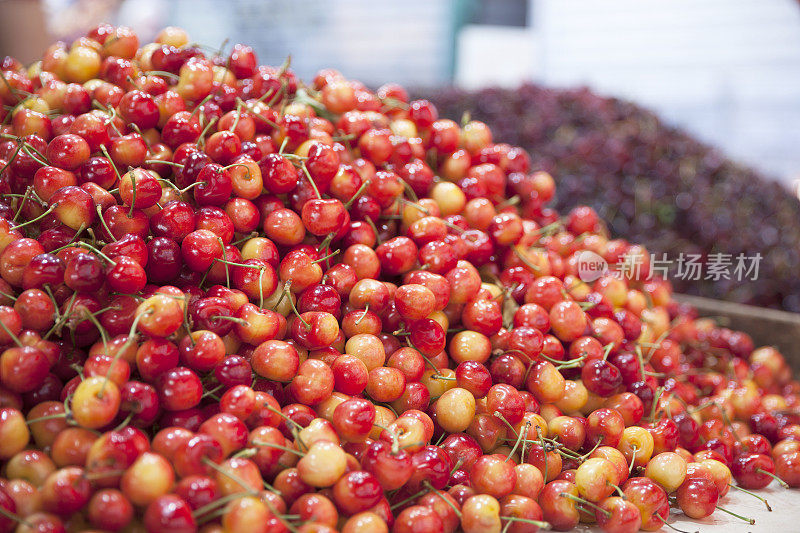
233, 301
651, 183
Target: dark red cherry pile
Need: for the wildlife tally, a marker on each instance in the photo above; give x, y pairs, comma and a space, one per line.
231, 301
652, 183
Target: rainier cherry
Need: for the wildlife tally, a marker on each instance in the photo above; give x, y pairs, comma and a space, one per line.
234, 301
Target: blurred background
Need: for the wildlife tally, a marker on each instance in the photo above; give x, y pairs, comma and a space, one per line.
678, 121
727, 70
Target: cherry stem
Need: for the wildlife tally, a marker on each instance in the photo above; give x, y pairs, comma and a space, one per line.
284, 293
364, 314
750, 521
28, 147
295, 427
656, 400
439, 494
81, 244
45, 418
664, 521
162, 73
428, 361
230, 475
60, 322
201, 141
21, 203
200, 511
103, 222
247, 168
703, 406
607, 350
211, 392
539, 523
321, 259
457, 465
240, 321
640, 359
225, 261
409, 499
13, 157
524, 259
15, 518
278, 447
191, 186
585, 502
12, 297
773, 476
417, 206
294, 308
33, 220
326, 241
634, 450
590, 452
130, 340
133, 200
310, 179
114, 165
499, 415
356, 194
514, 200
753, 494
393, 434
165, 162
11, 334
572, 363
371, 224
280, 517
519, 439
245, 453
238, 114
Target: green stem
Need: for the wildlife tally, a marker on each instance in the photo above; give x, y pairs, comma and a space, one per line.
33, 220
750, 521
11, 334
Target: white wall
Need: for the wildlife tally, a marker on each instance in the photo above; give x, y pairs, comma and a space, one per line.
374, 41
728, 70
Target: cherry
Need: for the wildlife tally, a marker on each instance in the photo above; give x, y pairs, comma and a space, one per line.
454, 410
650, 499
313, 382
787, 467
169, 513
752, 471
65, 491
417, 518
567, 320
668, 469
617, 515
350, 374
558, 508
430, 464
697, 497
356, 491
427, 336
493, 475
601, 377
139, 108
179, 388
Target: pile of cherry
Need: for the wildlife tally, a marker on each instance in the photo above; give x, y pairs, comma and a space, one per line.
230, 301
